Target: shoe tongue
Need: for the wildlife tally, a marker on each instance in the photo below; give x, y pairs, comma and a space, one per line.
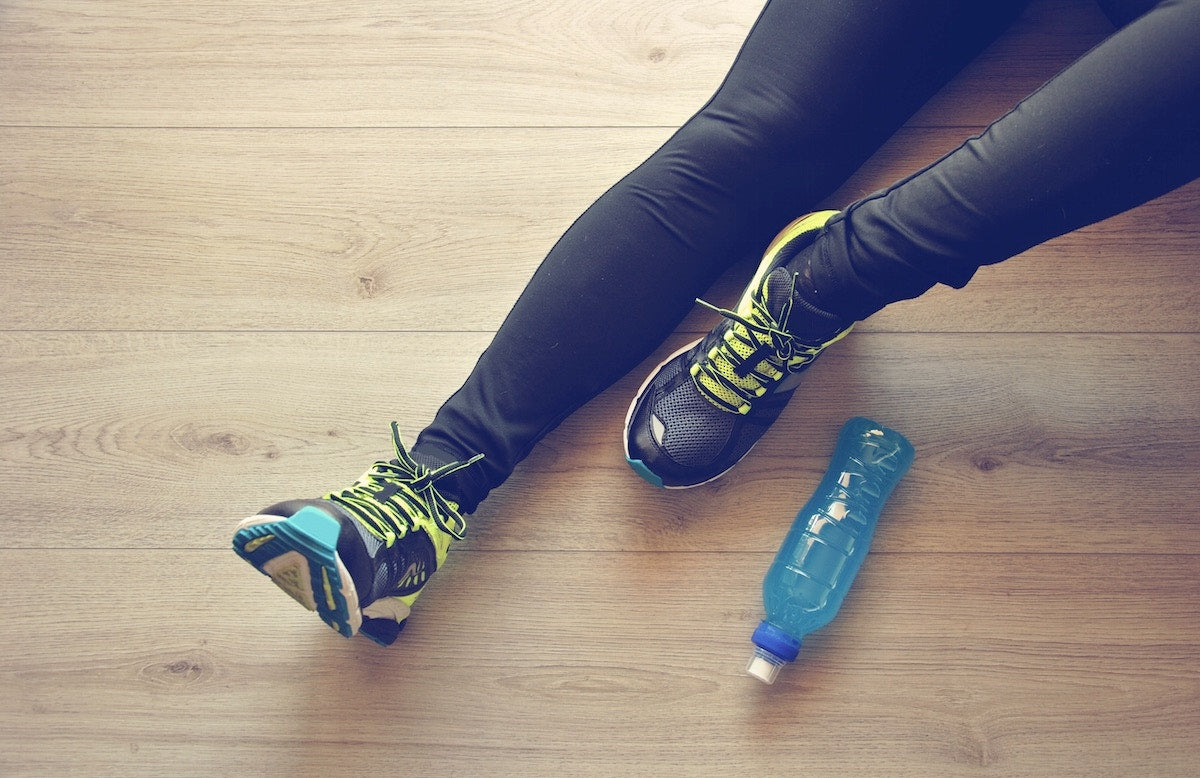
777, 289
425, 459
805, 320
448, 485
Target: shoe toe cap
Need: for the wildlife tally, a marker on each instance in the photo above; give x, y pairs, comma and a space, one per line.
675, 435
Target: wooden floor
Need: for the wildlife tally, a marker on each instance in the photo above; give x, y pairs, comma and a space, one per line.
241, 237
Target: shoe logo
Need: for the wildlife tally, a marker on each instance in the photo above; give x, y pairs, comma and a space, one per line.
414, 578
414, 571
415, 555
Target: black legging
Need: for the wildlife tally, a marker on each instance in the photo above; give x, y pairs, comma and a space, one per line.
816, 89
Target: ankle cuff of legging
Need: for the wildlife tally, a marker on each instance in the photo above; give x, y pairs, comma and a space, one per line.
466, 488
837, 286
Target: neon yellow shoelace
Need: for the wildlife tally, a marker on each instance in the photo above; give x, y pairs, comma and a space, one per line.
392, 498
755, 353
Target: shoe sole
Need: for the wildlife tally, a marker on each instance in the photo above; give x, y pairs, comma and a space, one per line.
804, 224
299, 554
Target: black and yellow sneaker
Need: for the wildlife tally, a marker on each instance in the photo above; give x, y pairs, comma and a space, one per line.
703, 409
361, 556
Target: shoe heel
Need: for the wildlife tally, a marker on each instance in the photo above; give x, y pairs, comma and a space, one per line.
382, 631
299, 554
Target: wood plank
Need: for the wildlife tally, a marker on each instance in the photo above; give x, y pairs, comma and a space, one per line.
1025, 443
441, 229
354, 63
175, 662
339, 229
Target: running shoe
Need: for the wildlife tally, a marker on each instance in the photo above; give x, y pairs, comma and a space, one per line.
703, 409
361, 556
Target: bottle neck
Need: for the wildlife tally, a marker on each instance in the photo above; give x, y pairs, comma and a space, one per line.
776, 642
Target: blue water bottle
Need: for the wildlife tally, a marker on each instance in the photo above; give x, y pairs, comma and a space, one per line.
828, 542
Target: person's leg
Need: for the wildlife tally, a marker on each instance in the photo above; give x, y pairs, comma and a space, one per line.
1122, 12
816, 89
1118, 128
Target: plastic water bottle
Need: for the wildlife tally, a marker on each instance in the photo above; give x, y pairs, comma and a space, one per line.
828, 542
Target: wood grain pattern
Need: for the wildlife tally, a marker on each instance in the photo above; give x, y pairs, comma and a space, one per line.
1029, 443
339, 63
941, 664
395, 230
239, 238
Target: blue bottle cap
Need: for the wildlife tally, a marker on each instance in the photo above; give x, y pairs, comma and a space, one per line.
771, 638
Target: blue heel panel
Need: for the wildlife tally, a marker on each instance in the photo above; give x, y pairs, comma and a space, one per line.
640, 468
314, 533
